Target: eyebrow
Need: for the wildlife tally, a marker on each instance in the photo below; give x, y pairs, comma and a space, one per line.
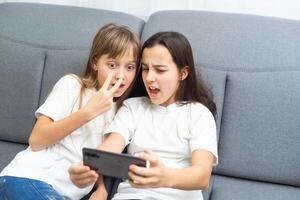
155, 66
116, 60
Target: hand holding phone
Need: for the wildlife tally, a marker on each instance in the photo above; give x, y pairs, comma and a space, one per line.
111, 164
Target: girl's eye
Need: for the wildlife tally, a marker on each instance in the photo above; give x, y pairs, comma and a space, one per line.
144, 68
130, 67
111, 65
160, 71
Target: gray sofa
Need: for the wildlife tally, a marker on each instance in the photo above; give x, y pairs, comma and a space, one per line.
252, 64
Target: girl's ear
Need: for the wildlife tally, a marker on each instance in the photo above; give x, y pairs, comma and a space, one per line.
184, 72
94, 64
95, 67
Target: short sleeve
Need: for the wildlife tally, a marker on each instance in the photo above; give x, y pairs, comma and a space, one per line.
123, 123
62, 99
203, 130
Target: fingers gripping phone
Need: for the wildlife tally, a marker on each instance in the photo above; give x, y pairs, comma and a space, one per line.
111, 164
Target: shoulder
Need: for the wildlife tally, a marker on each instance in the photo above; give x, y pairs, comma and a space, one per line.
136, 104
67, 86
69, 81
198, 110
201, 119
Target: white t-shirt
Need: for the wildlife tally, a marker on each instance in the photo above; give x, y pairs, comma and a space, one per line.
51, 164
172, 132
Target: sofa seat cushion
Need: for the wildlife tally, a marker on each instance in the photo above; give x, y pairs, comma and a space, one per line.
226, 188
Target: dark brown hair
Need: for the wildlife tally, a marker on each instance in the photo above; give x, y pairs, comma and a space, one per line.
192, 88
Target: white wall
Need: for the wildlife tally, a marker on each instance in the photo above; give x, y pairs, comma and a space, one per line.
143, 8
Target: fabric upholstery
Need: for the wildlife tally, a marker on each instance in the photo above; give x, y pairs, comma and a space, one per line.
228, 188
262, 112
215, 81
20, 83
58, 27
233, 41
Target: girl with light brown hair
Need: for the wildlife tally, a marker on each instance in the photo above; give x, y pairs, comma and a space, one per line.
74, 116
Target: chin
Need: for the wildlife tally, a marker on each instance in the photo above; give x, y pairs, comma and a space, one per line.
155, 101
117, 95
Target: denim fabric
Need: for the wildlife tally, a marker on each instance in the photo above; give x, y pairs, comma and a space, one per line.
15, 188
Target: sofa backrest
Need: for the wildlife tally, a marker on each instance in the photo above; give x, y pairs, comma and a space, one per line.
39, 44
252, 64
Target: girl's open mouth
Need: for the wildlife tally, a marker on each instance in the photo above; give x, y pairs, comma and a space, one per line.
153, 92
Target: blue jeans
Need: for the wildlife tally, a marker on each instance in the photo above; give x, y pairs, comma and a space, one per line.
15, 188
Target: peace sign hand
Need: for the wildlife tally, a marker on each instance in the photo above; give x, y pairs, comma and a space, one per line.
102, 100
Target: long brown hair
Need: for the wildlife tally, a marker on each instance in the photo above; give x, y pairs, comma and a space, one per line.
112, 40
192, 88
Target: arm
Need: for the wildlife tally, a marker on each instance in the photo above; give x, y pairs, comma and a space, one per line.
100, 193
196, 176
82, 176
47, 132
114, 143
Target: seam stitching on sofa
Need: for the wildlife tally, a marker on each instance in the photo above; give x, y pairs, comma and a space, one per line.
42, 77
221, 117
212, 187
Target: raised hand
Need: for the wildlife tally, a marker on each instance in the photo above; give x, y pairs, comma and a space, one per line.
155, 176
103, 98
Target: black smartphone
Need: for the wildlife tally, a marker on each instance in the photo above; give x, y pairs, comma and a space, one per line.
111, 164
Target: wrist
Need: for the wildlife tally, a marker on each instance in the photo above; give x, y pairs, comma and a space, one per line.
169, 178
85, 114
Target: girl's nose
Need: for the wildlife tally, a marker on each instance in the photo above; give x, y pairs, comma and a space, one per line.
120, 74
150, 76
